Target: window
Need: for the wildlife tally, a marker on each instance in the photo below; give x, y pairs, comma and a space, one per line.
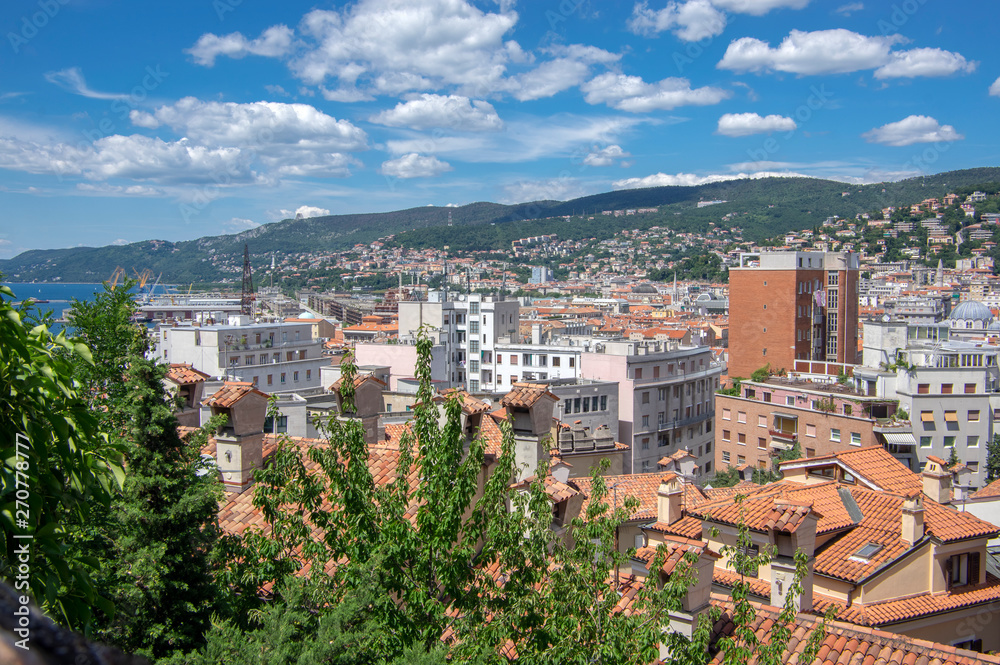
946, 388
473, 327
762, 443
473, 346
638, 372
767, 397
593, 403
974, 416
923, 388
727, 414
263, 359
810, 430
282, 427
925, 442
282, 377
855, 438
289, 355
645, 466
972, 441
741, 459
572, 362
789, 400
847, 410
726, 456
761, 421
576, 405
645, 421
474, 385
513, 379
962, 569
708, 467
741, 438
708, 447
867, 552
513, 359
834, 434
269, 377
645, 443
567, 406
970, 388
949, 442
295, 376
725, 435
645, 397
555, 361
474, 307
604, 402
741, 416
248, 360
810, 452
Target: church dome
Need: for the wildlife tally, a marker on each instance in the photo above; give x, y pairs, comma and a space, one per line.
971, 310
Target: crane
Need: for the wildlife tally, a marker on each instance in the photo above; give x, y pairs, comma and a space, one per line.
142, 277
118, 275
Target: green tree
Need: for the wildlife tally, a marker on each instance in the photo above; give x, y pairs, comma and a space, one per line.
105, 324
163, 528
57, 467
993, 459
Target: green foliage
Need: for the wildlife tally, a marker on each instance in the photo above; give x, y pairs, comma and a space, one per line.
761, 373
163, 529
725, 477
106, 326
953, 458
993, 459
64, 471
733, 390
826, 404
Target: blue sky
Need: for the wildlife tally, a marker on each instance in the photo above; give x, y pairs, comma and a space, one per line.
122, 122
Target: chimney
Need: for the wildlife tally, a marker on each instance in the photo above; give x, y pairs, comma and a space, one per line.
670, 500
560, 470
937, 480
912, 527
792, 527
536, 333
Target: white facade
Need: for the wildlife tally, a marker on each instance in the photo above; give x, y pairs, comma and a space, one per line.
276, 357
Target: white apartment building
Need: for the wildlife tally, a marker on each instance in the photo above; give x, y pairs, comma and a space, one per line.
948, 386
666, 398
277, 357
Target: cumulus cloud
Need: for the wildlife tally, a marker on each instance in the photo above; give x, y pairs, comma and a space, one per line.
277, 90
745, 124
237, 224
910, 130
442, 111
631, 93
691, 180
605, 156
571, 66
274, 42
413, 165
105, 189
72, 80
924, 62
995, 88
289, 139
821, 52
690, 21
304, 212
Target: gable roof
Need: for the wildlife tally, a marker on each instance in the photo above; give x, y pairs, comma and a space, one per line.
182, 373
526, 395
872, 465
232, 392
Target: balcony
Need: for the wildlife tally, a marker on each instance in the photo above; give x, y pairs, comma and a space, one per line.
783, 435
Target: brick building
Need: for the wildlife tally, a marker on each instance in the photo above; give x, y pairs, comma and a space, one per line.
772, 416
789, 306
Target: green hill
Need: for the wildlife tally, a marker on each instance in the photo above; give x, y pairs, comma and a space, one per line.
762, 208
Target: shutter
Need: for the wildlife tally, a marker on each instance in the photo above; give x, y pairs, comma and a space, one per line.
974, 568
947, 572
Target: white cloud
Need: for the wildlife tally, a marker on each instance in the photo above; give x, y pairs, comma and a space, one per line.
274, 42
396, 45
745, 124
691, 180
442, 111
849, 8
72, 80
120, 242
605, 156
413, 165
758, 7
631, 93
237, 224
304, 212
924, 62
995, 88
289, 139
821, 52
571, 65
553, 189
277, 90
690, 21
910, 130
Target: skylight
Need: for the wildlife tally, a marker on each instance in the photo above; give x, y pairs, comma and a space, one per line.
867, 552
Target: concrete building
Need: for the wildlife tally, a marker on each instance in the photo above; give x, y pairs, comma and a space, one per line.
948, 386
276, 357
770, 417
792, 306
665, 398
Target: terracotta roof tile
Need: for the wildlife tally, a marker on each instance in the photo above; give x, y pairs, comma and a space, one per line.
991, 490
358, 381
525, 395
873, 464
673, 550
757, 507
232, 392
182, 373
642, 486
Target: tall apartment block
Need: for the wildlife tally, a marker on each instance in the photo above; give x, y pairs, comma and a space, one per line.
788, 306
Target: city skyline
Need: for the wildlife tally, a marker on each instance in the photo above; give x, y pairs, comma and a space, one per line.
120, 123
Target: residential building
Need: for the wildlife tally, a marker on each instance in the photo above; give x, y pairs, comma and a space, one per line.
772, 416
665, 398
792, 306
276, 357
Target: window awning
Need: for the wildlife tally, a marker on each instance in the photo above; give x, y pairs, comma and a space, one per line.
951, 416
784, 415
900, 438
926, 416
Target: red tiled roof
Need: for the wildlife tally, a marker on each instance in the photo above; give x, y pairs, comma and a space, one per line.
757, 507
525, 395
232, 392
991, 490
674, 550
787, 515
359, 379
642, 486
873, 464
181, 373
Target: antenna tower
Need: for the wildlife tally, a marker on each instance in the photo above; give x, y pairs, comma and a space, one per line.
247, 300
